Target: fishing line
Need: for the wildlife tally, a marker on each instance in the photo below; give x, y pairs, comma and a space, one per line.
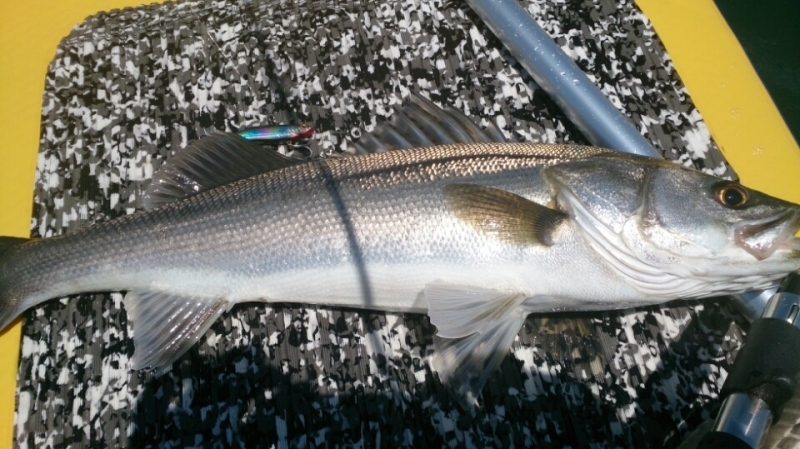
254, 90
278, 87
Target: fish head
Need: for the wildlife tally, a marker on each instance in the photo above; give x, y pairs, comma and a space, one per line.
719, 216
678, 231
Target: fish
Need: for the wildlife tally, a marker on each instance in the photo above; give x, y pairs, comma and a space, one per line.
476, 234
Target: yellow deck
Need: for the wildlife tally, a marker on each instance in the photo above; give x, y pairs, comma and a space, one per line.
720, 79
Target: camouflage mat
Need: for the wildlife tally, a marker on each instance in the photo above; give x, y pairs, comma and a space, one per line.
129, 88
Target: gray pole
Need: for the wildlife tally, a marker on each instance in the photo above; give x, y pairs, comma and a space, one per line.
558, 75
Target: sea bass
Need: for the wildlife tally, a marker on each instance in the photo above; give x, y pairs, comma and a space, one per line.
477, 235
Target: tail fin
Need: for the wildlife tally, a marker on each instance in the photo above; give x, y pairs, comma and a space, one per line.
8, 303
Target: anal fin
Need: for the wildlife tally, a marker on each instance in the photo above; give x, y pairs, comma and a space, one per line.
475, 329
165, 326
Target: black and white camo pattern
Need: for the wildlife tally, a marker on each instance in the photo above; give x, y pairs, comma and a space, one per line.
129, 88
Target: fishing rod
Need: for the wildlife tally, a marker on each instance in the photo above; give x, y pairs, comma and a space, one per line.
585, 105
764, 376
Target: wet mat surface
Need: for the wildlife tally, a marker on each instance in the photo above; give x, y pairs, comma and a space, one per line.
128, 89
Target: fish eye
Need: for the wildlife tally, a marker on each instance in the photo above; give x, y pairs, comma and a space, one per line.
731, 195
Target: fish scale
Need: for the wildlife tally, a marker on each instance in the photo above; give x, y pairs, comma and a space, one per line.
185, 233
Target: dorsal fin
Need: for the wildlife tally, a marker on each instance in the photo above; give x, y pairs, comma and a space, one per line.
210, 162
420, 123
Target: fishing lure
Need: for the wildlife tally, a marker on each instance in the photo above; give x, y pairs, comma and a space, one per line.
278, 133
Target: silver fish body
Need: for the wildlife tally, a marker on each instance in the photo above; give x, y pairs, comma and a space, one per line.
368, 231
477, 235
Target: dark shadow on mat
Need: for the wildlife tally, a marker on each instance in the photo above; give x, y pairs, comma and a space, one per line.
274, 391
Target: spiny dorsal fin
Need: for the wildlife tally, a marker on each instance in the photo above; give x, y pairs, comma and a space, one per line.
165, 326
420, 123
475, 328
502, 214
210, 162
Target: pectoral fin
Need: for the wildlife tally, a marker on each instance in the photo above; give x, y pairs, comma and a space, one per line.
165, 326
505, 215
475, 329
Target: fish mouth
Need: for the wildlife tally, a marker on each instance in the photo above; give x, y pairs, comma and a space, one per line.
762, 238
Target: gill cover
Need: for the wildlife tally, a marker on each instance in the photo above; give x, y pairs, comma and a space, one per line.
608, 186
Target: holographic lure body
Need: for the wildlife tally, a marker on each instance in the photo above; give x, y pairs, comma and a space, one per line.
278, 133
